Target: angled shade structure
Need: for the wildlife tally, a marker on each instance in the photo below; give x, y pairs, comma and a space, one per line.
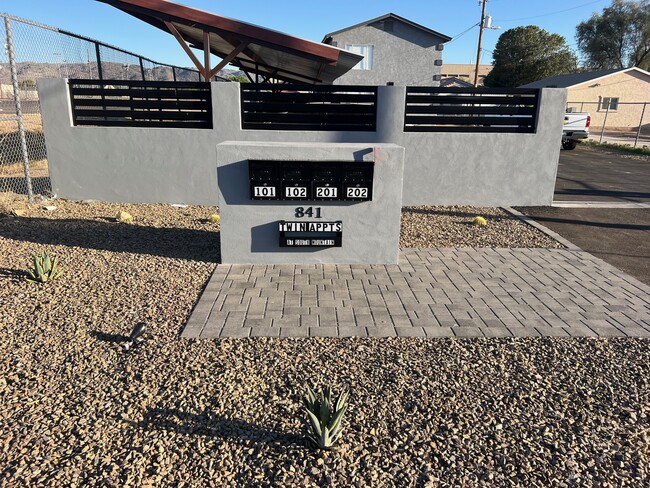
254, 49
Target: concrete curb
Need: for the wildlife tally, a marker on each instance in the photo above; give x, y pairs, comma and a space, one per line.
553, 235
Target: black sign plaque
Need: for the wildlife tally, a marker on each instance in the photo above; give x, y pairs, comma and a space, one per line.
310, 234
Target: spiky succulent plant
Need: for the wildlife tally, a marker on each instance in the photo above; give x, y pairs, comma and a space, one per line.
324, 417
45, 269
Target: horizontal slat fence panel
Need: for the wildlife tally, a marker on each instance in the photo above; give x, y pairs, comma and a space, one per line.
309, 107
488, 110
114, 103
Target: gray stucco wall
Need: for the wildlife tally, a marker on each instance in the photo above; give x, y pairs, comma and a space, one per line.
179, 166
405, 56
249, 229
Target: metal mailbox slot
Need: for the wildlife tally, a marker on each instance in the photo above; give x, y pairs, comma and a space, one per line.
326, 184
296, 180
264, 180
357, 181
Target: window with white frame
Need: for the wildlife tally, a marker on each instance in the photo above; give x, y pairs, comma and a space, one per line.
609, 103
364, 50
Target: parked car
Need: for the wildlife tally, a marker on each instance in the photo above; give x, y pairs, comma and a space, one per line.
576, 127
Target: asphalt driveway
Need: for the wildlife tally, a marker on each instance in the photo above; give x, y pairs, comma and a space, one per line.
619, 236
588, 174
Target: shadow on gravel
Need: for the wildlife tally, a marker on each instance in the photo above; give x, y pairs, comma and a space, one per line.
449, 213
191, 244
12, 274
112, 338
210, 424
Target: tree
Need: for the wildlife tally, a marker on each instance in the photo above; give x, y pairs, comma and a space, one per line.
526, 54
617, 38
239, 78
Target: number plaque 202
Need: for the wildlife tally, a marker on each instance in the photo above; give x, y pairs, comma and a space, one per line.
356, 192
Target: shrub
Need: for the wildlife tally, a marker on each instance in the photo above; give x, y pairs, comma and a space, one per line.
324, 418
45, 269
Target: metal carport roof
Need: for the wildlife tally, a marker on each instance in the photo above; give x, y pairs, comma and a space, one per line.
254, 49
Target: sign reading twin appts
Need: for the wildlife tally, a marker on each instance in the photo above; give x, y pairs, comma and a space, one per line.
311, 234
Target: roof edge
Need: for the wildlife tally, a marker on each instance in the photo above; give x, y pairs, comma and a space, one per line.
445, 38
591, 80
617, 72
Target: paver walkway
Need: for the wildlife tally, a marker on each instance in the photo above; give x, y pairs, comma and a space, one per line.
462, 292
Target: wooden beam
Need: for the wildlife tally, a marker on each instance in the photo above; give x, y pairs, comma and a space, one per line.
228, 59
185, 47
206, 54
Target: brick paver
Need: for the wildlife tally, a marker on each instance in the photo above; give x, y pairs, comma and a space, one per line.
462, 292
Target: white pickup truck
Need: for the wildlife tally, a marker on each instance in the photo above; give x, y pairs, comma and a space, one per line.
576, 127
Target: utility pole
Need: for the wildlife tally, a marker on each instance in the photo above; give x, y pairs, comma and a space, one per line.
480, 42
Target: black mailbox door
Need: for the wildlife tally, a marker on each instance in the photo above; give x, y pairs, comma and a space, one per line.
327, 181
357, 181
296, 180
264, 180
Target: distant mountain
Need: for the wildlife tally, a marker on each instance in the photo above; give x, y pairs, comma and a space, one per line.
110, 71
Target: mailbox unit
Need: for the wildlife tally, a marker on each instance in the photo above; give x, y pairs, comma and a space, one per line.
311, 180
299, 203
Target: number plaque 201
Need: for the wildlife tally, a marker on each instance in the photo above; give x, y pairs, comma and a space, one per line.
326, 192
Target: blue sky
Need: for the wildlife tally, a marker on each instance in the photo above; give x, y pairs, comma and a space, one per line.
312, 20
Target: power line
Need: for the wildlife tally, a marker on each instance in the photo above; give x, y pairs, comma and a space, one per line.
553, 13
462, 33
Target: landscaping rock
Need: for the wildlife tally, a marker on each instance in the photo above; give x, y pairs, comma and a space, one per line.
78, 409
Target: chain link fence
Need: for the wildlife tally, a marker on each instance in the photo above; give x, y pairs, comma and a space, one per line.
619, 122
31, 51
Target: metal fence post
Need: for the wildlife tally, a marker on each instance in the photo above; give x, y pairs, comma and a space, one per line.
100, 71
604, 123
638, 132
19, 110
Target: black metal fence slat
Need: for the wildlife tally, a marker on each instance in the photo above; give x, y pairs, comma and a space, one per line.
478, 90
141, 104
476, 120
307, 107
305, 127
487, 110
470, 129
154, 94
140, 114
142, 123
323, 119
289, 97
92, 103
471, 110
257, 87
454, 99
333, 108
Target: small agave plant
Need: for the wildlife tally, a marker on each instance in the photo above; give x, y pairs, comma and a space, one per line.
324, 417
45, 269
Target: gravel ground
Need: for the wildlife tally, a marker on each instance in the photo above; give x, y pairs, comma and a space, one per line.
76, 408
452, 227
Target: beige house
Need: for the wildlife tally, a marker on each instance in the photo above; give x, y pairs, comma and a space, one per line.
465, 72
619, 95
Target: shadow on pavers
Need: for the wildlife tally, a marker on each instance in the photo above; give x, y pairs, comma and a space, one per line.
191, 244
